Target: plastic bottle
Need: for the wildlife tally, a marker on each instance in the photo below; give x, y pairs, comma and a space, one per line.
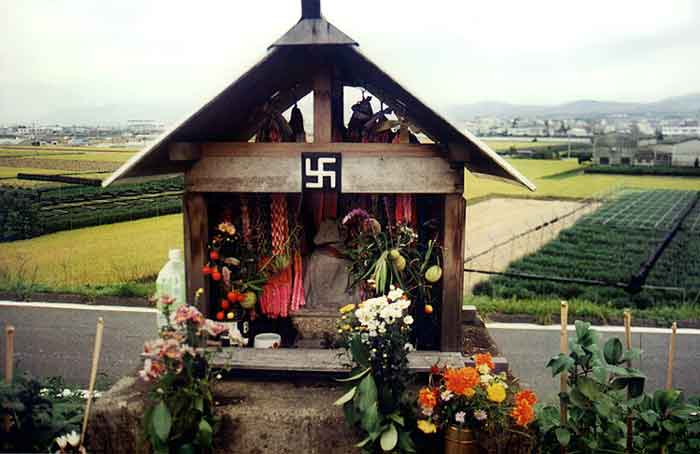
171, 282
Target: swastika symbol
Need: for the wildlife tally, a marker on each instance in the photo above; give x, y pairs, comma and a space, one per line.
321, 171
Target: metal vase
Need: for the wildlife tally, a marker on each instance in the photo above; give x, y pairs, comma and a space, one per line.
460, 441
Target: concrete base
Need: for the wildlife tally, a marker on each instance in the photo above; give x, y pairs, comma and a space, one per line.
256, 417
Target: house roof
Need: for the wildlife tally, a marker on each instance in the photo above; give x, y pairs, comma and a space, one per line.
283, 76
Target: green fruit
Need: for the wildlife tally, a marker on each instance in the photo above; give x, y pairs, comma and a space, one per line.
249, 300
394, 255
400, 263
433, 274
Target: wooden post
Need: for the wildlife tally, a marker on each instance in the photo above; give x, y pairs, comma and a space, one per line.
9, 353
453, 273
671, 354
323, 128
196, 219
337, 110
628, 344
93, 375
563, 348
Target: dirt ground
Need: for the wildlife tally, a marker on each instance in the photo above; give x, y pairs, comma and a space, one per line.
492, 223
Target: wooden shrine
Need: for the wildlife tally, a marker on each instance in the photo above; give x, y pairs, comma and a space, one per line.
226, 156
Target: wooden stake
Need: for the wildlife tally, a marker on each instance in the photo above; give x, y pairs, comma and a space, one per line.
564, 348
9, 369
628, 344
671, 354
9, 353
93, 375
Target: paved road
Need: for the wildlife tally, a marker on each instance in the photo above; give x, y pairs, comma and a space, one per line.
529, 347
57, 339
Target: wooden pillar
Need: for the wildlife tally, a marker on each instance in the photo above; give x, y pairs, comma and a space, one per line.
337, 110
453, 273
322, 105
196, 219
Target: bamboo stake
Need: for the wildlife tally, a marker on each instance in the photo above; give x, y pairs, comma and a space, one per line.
9, 353
9, 368
628, 344
563, 348
671, 354
93, 375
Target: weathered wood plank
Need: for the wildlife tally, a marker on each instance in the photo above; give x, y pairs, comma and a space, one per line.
318, 360
226, 149
322, 106
184, 151
196, 223
362, 174
453, 273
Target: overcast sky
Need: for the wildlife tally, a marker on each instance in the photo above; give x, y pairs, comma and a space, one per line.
61, 55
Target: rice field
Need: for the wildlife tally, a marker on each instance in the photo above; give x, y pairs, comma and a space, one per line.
115, 253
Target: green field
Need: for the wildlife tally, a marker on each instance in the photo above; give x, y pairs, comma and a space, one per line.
575, 185
610, 245
501, 145
92, 256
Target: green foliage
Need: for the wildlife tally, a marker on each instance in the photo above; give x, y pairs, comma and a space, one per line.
603, 393
610, 246
26, 213
39, 411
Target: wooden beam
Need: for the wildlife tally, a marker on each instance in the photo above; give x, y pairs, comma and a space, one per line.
362, 174
184, 151
232, 149
322, 106
453, 273
196, 220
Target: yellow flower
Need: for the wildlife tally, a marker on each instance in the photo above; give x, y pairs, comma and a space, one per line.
469, 392
496, 392
347, 308
426, 426
347, 327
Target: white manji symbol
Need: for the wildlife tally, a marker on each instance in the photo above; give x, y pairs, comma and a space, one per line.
321, 171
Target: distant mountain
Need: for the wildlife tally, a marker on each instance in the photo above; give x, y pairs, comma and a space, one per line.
687, 104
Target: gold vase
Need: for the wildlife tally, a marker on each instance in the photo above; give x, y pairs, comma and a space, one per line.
460, 441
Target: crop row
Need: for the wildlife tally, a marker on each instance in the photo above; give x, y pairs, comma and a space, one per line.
613, 252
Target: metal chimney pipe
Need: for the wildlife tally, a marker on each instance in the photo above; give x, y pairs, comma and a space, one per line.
310, 9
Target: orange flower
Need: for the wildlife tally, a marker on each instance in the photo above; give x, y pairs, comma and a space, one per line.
462, 381
526, 396
523, 413
484, 359
426, 398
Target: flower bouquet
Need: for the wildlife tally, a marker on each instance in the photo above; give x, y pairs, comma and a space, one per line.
180, 414
472, 399
376, 333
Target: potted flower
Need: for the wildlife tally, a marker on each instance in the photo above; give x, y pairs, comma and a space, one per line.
467, 400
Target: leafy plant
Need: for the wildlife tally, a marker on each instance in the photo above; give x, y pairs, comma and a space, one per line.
36, 412
601, 393
664, 421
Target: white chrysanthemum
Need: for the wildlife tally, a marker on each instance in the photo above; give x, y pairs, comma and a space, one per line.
408, 320
364, 316
403, 304
395, 294
486, 378
73, 439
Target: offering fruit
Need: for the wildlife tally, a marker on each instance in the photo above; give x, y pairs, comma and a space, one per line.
220, 315
214, 255
249, 300
216, 275
428, 309
433, 274
225, 304
400, 263
229, 316
232, 296
394, 254
206, 270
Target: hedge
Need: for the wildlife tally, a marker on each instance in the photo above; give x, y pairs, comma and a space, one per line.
644, 170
